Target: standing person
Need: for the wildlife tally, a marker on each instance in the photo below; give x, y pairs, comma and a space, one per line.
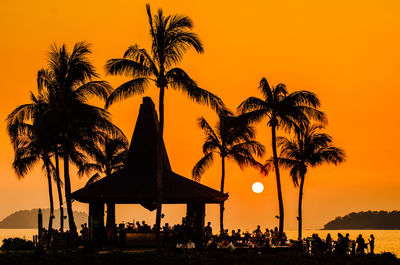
372, 244
360, 244
239, 234
276, 236
257, 233
339, 247
328, 242
266, 234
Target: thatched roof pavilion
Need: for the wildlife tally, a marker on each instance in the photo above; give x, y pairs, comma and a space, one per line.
136, 184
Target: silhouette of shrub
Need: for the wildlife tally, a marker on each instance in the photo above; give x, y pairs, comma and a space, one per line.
16, 244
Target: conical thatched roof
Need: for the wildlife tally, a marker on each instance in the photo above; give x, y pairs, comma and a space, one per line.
137, 182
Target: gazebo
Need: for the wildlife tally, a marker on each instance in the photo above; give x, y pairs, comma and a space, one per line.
136, 184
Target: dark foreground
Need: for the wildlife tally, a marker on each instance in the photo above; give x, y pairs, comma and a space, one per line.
219, 258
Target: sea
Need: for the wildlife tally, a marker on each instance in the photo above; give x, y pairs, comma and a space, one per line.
385, 240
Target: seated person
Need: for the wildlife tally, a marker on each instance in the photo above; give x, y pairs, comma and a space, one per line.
230, 247
211, 244
190, 245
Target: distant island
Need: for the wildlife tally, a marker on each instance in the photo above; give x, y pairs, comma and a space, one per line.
366, 220
29, 219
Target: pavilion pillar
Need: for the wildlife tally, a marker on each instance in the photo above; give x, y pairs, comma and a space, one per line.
96, 223
111, 229
195, 215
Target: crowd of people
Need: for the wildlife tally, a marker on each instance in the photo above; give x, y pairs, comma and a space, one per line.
343, 244
182, 236
239, 239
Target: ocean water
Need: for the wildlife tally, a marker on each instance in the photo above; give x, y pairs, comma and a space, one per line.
385, 240
21, 233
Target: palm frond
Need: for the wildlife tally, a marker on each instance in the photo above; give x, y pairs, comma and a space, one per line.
180, 80
201, 166
93, 179
100, 89
126, 67
133, 87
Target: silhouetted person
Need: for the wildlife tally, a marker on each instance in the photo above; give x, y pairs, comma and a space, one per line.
340, 247
346, 242
360, 244
211, 244
257, 232
233, 234
208, 231
238, 234
372, 244
328, 242
284, 239
166, 227
317, 244
266, 234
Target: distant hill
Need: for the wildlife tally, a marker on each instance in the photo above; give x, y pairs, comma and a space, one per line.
29, 219
366, 220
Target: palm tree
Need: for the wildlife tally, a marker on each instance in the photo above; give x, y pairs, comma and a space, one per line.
66, 86
109, 156
282, 110
31, 144
171, 38
309, 148
232, 138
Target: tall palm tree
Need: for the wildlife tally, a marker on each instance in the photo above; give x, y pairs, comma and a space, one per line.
109, 156
67, 84
171, 38
283, 110
31, 144
309, 148
232, 138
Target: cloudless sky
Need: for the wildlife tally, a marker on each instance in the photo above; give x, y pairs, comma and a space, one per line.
347, 52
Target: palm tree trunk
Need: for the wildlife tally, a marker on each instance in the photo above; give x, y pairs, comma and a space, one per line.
300, 206
221, 206
278, 181
67, 184
60, 198
51, 213
159, 169
110, 222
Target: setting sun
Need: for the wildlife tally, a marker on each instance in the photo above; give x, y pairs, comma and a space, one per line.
257, 187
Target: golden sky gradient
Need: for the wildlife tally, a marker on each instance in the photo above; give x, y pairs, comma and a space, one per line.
345, 51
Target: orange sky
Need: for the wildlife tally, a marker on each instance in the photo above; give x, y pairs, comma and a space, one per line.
347, 53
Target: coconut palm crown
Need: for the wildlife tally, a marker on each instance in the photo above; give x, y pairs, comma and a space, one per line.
233, 138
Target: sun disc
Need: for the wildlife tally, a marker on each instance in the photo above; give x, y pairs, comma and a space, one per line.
257, 187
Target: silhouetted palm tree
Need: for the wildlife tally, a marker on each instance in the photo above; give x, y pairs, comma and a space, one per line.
282, 110
171, 37
309, 148
233, 138
66, 86
109, 156
31, 144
